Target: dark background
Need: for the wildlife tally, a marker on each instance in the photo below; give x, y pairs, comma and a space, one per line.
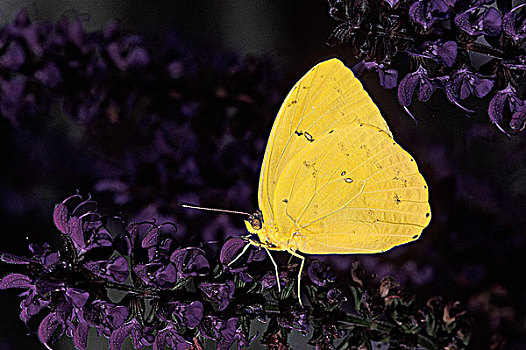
473, 250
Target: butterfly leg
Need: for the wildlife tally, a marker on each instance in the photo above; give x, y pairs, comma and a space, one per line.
275, 268
259, 245
299, 273
245, 248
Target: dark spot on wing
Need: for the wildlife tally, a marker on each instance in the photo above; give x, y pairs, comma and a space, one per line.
348, 180
343, 173
427, 215
309, 137
299, 133
285, 200
415, 237
330, 132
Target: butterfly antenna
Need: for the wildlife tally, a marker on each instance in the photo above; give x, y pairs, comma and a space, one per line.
190, 206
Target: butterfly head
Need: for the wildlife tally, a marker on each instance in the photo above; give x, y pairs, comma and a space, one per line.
266, 232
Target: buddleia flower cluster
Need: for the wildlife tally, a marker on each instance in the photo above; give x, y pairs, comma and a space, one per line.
470, 49
136, 280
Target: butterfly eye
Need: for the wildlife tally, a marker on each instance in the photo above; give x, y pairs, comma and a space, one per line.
255, 222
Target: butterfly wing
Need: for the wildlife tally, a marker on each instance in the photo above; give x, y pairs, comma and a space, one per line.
326, 98
353, 190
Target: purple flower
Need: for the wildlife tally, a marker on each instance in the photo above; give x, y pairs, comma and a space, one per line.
76, 297
157, 275
32, 304
445, 52
410, 82
141, 335
103, 316
14, 57
128, 53
115, 269
190, 262
320, 274
231, 250
464, 83
49, 75
168, 336
48, 326
189, 314
48, 259
507, 96
427, 12
295, 319
221, 293
480, 21
335, 295
269, 279
388, 77
222, 332
84, 233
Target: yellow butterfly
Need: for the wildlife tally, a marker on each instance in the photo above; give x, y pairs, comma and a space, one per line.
333, 180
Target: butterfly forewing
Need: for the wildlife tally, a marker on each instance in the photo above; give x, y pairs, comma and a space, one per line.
326, 99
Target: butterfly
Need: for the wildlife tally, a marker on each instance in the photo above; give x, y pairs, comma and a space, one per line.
333, 180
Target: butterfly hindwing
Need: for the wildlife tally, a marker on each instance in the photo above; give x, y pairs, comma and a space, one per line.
353, 190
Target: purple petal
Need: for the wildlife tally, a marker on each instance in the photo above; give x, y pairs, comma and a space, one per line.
406, 89
15, 280
194, 314
518, 119
117, 315
60, 216
80, 336
496, 107
483, 87
363, 66
166, 276
151, 239
118, 269
14, 259
231, 249
47, 327
190, 262
426, 89
388, 78
448, 52
492, 22
77, 296
76, 233
221, 293
119, 335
